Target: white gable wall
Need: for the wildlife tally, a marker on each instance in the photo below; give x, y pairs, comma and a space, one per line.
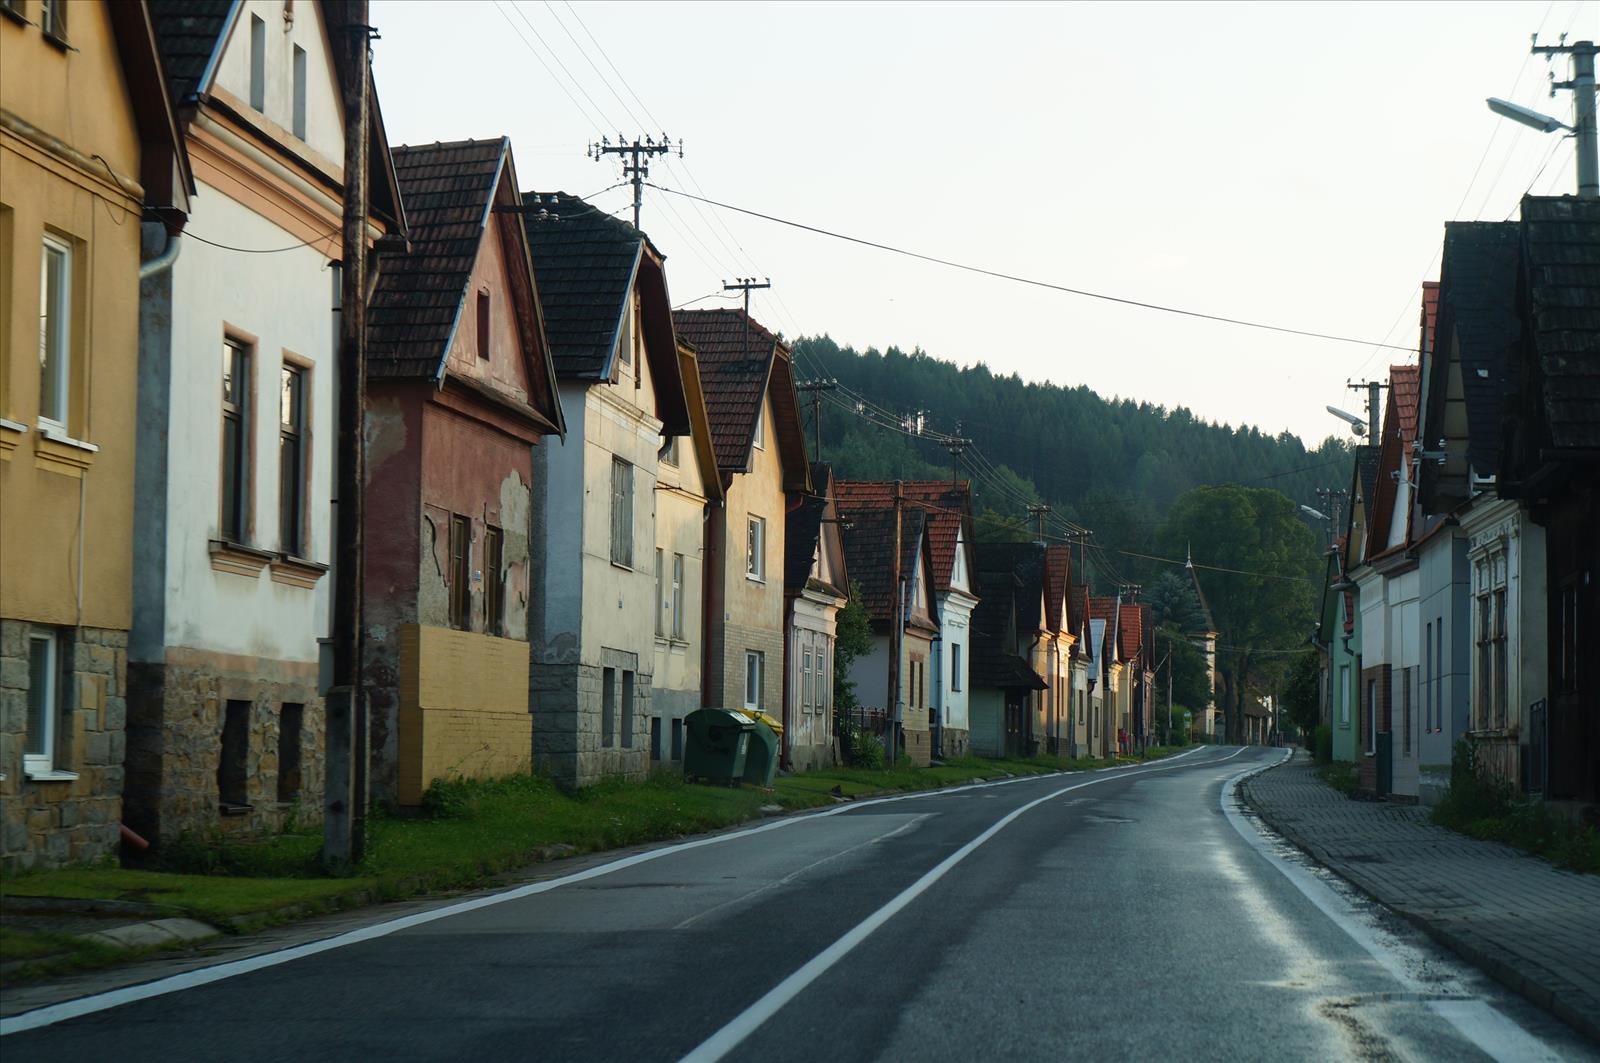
324, 120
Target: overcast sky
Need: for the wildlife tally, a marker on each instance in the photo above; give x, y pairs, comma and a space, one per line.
1291, 164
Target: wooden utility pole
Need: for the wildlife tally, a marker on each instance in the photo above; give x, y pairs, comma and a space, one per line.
345, 799
1038, 515
896, 637
815, 388
639, 168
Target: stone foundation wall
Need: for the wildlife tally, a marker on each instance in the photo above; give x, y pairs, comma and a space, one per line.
176, 715
75, 818
956, 743
568, 743
814, 757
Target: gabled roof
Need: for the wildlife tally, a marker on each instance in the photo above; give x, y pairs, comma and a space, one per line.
1394, 459
420, 300
1024, 561
1130, 631
869, 555
807, 527
996, 669
1405, 387
699, 420
585, 261
946, 504
1200, 596
1478, 320
740, 364
1561, 294
1057, 585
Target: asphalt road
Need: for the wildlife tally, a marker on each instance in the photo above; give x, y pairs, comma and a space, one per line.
1129, 914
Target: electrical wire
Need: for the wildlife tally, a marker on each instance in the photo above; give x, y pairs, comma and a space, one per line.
261, 250
1030, 281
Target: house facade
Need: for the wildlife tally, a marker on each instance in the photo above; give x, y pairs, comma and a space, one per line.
816, 586
1003, 682
754, 415
236, 429
89, 146
460, 394
609, 321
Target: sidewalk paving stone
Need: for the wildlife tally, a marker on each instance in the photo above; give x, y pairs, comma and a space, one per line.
1527, 923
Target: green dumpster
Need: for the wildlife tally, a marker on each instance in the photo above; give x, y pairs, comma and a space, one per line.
761, 763
717, 741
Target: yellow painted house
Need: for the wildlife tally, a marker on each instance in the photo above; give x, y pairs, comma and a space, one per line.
90, 159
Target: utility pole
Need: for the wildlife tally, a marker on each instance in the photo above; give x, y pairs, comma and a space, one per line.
1333, 498
957, 447
1038, 513
345, 800
896, 636
639, 168
815, 388
746, 285
1581, 85
1374, 409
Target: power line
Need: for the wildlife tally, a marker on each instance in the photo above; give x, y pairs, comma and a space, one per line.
588, 117
1217, 568
1033, 282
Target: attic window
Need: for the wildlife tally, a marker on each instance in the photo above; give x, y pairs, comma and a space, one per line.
299, 116
483, 323
258, 63
760, 437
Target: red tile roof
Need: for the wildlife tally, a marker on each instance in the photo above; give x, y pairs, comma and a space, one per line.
1430, 311
1057, 583
945, 505
1405, 383
1130, 631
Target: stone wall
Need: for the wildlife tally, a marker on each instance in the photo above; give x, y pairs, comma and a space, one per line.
177, 712
956, 743
568, 741
67, 820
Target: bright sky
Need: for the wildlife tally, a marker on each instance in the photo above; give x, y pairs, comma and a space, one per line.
1292, 164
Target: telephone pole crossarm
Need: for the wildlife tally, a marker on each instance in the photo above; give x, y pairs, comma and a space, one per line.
636, 164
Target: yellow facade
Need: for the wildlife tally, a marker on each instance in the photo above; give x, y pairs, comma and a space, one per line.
69, 160
463, 708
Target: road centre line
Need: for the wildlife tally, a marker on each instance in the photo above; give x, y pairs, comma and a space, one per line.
51, 1014
751, 1019
1495, 1034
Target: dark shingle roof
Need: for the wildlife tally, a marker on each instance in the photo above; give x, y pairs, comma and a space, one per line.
801, 532
584, 264
736, 356
189, 32
447, 190
1025, 562
1058, 579
1477, 303
1561, 270
945, 504
994, 668
869, 555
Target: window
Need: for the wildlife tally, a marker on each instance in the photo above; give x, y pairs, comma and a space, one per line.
484, 323
1566, 640
299, 72
755, 549
258, 63
290, 723
460, 572
621, 513
46, 697
1427, 677
759, 438
677, 739
292, 462
233, 765
1344, 695
493, 581
608, 707
235, 523
1501, 680
15, 8
1372, 717
662, 604
53, 19
1489, 634
669, 453
677, 596
55, 334
1405, 712
955, 666
805, 681
754, 665
655, 738
1438, 674
627, 710
823, 695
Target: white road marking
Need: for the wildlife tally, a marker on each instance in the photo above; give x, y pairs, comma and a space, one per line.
1496, 1034
177, 983
748, 1021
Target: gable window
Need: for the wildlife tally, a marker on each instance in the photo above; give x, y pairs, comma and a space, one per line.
299, 74
493, 582
955, 667
46, 696
460, 572
755, 549
754, 664
484, 322
53, 20
258, 63
292, 462
235, 522
759, 438
55, 334
669, 453
621, 513
677, 596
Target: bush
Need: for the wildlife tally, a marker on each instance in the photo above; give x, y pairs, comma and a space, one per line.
1323, 748
866, 751
1483, 806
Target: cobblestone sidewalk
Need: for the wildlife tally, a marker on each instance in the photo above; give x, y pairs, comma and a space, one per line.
1529, 925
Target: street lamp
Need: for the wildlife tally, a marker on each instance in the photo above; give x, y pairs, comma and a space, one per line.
1358, 427
1581, 84
1527, 116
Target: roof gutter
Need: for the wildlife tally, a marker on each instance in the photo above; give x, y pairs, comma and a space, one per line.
162, 262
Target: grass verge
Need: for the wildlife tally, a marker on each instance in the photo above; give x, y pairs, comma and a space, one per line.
468, 832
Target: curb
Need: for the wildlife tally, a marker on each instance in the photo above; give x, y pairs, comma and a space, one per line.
1507, 974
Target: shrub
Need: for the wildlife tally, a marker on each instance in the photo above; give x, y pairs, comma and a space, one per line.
1323, 744
866, 751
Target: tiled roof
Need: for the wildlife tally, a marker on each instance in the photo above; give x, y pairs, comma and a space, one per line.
1561, 267
189, 32
736, 356
944, 503
869, 554
1405, 385
447, 190
1367, 470
1058, 579
1478, 290
584, 263
1025, 561
803, 530
992, 617
1430, 311
1130, 630
996, 669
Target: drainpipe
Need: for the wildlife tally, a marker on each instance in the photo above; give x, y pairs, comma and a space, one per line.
162, 262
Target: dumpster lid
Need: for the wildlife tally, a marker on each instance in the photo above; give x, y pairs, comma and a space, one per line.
770, 721
729, 716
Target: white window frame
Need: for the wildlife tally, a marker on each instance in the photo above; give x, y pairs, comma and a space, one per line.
621, 513
1344, 695
61, 311
258, 64
754, 679
41, 766
758, 437
805, 678
298, 73
677, 596
755, 548
661, 593
955, 669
